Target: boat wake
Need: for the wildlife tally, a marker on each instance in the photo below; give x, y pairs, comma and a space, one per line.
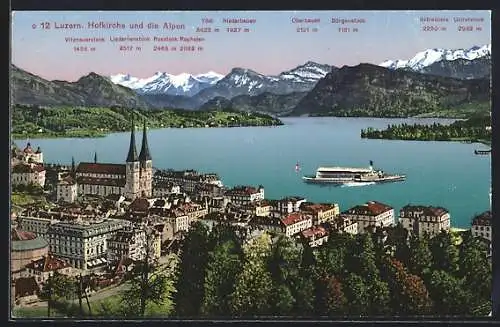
354, 184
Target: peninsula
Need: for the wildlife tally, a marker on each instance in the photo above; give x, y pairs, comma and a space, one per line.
43, 122
477, 128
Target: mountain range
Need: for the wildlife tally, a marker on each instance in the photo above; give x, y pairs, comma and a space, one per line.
433, 77
471, 63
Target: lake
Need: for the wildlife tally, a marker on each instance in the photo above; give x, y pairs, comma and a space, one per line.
446, 174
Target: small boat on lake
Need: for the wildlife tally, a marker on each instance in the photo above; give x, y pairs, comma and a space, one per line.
482, 152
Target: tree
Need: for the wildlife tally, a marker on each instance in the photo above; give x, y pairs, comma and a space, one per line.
448, 294
357, 294
254, 283
283, 264
475, 267
306, 285
379, 297
420, 256
331, 300
147, 288
445, 254
409, 294
224, 264
191, 271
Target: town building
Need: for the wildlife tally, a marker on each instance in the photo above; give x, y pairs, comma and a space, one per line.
45, 267
163, 188
83, 243
321, 212
372, 213
287, 205
295, 223
482, 227
129, 243
67, 190
243, 195
315, 235
27, 155
420, 220
260, 208
27, 174
37, 225
132, 179
343, 224
188, 180
25, 248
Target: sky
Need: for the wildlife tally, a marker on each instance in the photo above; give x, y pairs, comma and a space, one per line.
271, 44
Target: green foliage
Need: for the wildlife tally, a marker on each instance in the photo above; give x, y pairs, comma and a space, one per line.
420, 256
254, 285
156, 292
33, 121
445, 253
473, 129
59, 287
191, 271
347, 276
224, 264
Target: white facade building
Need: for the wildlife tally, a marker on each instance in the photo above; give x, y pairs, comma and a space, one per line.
295, 223
369, 214
67, 190
28, 173
420, 220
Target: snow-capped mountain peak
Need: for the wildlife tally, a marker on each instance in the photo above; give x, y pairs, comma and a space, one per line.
308, 72
428, 57
165, 83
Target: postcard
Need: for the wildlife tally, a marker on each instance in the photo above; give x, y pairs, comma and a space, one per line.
250, 164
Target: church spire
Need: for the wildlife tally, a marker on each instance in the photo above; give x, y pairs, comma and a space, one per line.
144, 155
95, 157
132, 153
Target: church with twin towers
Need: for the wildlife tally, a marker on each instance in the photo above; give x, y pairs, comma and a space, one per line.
132, 180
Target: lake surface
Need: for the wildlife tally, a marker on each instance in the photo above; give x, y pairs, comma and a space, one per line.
446, 174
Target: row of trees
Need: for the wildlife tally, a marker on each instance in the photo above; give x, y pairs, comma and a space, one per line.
220, 275
90, 121
386, 273
475, 128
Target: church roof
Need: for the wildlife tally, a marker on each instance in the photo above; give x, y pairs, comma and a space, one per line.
144, 155
101, 168
132, 152
120, 182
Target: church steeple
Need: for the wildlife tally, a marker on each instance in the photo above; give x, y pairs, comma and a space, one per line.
144, 155
95, 157
132, 153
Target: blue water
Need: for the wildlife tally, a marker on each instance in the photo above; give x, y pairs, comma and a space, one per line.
444, 174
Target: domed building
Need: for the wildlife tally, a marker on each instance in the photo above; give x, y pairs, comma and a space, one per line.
25, 248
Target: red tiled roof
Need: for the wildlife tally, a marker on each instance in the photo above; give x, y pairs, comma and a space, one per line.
68, 180
25, 286
243, 190
48, 263
101, 181
318, 231
483, 219
101, 168
23, 168
293, 218
139, 204
18, 235
425, 210
264, 203
316, 207
371, 208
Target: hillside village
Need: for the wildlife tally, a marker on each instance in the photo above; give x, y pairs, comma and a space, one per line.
98, 220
